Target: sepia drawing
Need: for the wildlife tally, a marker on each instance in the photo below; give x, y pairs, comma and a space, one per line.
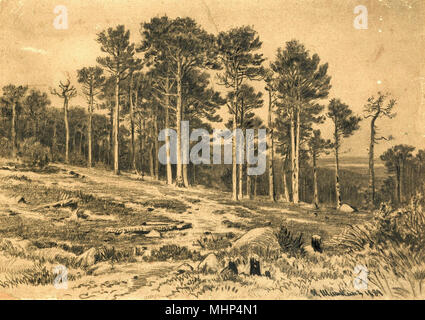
212, 149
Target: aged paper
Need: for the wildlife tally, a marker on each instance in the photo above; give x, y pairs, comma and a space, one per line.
212, 149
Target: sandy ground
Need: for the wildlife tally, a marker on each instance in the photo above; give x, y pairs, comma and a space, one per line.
206, 211
129, 280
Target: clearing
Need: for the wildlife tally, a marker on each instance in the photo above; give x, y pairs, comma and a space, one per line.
54, 217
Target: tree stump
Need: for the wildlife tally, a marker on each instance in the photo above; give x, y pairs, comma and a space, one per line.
316, 243
254, 269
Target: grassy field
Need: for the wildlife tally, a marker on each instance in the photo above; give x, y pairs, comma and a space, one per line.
127, 264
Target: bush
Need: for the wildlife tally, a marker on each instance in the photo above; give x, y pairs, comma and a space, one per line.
174, 252
291, 245
5, 147
404, 226
392, 248
34, 153
77, 159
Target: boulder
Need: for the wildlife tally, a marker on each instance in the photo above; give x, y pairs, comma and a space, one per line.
87, 258
147, 253
20, 199
83, 214
153, 234
310, 252
100, 268
347, 208
260, 238
210, 264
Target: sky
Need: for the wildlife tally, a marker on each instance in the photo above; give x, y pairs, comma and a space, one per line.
388, 56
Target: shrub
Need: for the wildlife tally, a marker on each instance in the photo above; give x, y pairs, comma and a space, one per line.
34, 153
112, 254
77, 159
174, 252
404, 226
392, 248
218, 242
5, 147
290, 244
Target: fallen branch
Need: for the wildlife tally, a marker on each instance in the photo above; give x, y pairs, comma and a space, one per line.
59, 204
148, 227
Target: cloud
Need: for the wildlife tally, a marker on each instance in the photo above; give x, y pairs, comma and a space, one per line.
34, 50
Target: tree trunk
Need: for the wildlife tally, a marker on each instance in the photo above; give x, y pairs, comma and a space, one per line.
132, 147
234, 146
240, 181
99, 151
111, 135
285, 186
255, 186
397, 184
194, 174
13, 130
81, 143
337, 185
65, 110
401, 182
156, 144
151, 164
53, 149
115, 126
167, 138
270, 150
371, 163
297, 158
89, 131
294, 161
184, 158
142, 143
248, 187
179, 173
316, 191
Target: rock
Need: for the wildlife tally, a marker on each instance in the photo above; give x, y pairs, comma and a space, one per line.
100, 268
259, 238
243, 267
87, 258
150, 209
316, 243
83, 214
20, 199
147, 253
185, 267
210, 264
347, 208
153, 234
309, 251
